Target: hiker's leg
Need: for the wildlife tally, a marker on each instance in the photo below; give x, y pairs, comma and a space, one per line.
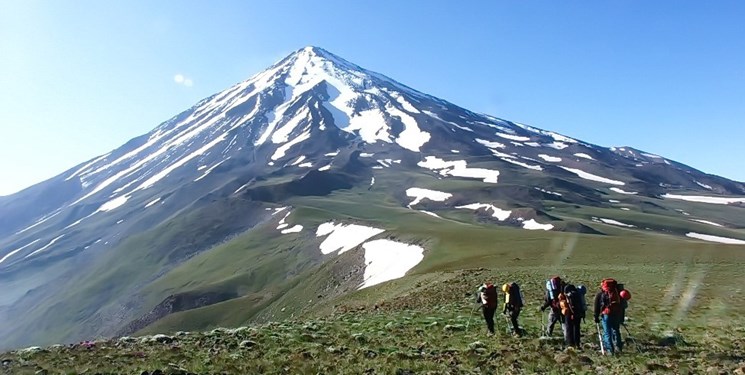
617, 334
577, 332
566, 330
607, 341
489, 317
552, 317
513, 319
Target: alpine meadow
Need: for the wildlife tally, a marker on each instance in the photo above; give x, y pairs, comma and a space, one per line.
320, 217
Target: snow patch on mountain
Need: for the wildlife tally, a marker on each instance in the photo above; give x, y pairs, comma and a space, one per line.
296, 229
547, 191
210, 169
708, 222
513, 137
549, 158
281, 150
592, 177
45, 246
10, 254
430, 213
490, 144
114, 203
705, 186
620, 191
705, 199
583, 155
282, 223
411, 138
39, 222
387, 260
524, 165
458, 168
344, 237
497, 212
534, 225
711, 238
419, 194
557, 145
615, 222
282, 134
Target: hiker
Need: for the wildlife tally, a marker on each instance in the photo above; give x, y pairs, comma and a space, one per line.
609, 312
487, 297
553, 287
570, 301
513, 303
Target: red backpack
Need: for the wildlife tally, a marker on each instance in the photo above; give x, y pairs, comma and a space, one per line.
611, 298
489, 296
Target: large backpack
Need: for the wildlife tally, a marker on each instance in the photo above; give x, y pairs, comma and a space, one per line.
513, 296
571, 302
583, 296
611, 302
489, 296
553, 289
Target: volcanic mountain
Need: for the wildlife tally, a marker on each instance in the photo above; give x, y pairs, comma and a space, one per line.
321, 174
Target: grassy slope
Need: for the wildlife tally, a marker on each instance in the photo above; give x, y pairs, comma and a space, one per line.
678, 284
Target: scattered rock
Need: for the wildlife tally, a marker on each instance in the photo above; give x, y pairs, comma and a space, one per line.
562, 358
653, 366
455, 327
371, 354
476, 345
740, 371
585, 360
31, 350
359, 338
42, 372
6, 362
247, 344
162, 339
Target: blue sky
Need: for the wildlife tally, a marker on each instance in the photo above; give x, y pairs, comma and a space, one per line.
78, 79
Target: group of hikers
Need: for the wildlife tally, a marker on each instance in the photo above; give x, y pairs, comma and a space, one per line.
568, 307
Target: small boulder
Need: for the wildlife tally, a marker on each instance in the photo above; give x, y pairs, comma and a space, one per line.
455, 327
585, 360
247, 344
162, 339
476, 345
562, 358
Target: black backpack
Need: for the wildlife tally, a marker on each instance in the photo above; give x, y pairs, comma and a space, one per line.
574, 300
516, 298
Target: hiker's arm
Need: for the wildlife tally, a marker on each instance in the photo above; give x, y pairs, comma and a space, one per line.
546, 303
598, 298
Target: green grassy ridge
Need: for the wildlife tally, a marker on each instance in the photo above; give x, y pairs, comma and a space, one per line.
449, 247
438, 340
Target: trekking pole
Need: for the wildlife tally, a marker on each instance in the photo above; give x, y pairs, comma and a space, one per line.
600, 339
633, 340
470, 317
507, 324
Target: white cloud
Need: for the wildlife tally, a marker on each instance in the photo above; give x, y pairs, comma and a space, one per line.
183, 80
